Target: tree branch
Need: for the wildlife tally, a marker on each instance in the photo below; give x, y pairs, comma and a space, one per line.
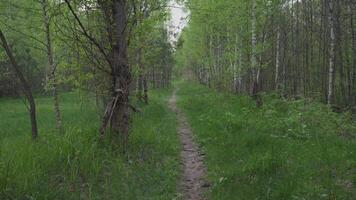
87, 35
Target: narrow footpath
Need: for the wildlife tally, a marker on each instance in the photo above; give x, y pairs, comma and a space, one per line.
192, 183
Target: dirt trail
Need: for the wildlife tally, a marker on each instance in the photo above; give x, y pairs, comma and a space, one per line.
192, 182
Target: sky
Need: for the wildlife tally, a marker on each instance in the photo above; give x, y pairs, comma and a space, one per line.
178, 20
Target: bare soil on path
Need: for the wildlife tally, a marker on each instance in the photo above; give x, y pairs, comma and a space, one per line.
192, 184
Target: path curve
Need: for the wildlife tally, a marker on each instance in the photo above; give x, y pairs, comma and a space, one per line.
192, 183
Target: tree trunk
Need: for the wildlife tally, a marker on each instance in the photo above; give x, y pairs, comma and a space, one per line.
352, 75
331, 53
339, 53
140, 76
276, 79
121, 72
53, 78
139, 87
25, 86
254, 55
145, 89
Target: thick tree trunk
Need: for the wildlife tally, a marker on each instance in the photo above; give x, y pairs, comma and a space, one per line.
122, 77
25, 86
117, 110
53, 78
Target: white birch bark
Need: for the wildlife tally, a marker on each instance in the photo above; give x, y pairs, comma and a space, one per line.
331, 52
52, 67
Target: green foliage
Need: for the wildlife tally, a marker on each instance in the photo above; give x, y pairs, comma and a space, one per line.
151, 54
216, 42
25, 39
284, 150
292, 47
78, 166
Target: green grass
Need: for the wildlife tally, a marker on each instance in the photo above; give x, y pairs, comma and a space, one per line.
284, 150
76, 165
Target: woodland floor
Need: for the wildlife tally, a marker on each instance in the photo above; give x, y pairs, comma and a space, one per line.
194, 144
193, 173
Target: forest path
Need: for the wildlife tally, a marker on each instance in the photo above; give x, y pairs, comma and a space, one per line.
192, 181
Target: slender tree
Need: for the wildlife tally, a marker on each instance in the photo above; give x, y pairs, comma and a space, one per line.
52, 65
331, 52
26, 88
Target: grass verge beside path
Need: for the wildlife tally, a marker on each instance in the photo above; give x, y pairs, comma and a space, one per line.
75, 165
284, 150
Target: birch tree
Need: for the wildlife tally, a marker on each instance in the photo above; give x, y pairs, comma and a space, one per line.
51, 63
331, 53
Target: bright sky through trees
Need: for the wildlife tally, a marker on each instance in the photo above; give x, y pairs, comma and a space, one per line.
178, 20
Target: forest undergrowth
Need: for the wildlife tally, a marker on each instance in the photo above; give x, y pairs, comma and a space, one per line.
76, 165
287, 149
284, 150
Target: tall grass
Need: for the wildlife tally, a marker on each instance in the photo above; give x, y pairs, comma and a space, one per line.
78, 166
284, 150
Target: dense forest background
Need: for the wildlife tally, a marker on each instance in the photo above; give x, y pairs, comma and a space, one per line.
296, 48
